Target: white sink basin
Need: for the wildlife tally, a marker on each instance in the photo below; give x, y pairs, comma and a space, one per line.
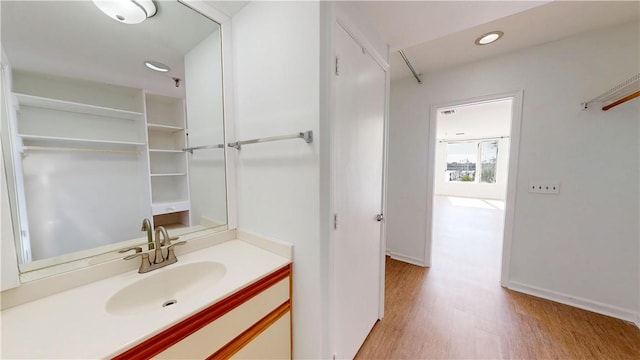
166, 288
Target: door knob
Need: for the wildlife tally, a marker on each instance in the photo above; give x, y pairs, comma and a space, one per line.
380, 217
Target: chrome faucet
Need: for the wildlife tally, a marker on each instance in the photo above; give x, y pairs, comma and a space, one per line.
146, 226
162, 240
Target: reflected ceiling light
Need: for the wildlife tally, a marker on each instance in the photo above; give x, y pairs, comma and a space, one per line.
157, 66
488, 38
127, 11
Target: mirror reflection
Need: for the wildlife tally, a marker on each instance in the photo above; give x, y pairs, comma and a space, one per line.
101, 115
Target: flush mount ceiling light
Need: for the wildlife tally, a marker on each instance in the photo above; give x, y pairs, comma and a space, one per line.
157, 66
488, 38
127, 11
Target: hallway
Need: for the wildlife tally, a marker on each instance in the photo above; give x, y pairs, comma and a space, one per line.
457, 309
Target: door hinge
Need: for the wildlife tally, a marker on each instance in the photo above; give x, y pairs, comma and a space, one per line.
337, 66
335, 221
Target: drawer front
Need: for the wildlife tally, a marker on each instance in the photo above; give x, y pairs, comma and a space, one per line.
169, 207
217, 334
273, 343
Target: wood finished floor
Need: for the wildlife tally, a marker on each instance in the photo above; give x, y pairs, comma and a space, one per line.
457, 310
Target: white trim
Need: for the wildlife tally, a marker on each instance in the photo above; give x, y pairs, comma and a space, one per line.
510, 198
408, 259
575, 301
383, 205
228, 94
326, 141
512, 181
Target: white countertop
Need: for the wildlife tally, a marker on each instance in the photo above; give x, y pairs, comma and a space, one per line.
75, 323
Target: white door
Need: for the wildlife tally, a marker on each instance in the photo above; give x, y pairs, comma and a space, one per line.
358, 170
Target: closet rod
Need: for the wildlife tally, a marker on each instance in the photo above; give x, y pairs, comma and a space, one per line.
307, 136
623, 100
413, 71
190, 149
49, 148
619, 94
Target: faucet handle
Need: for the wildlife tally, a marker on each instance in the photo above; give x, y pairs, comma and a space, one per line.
138, 249
145, 263
169, 239
171, 255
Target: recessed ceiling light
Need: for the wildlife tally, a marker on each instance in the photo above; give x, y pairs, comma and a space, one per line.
154, 65
488, 38
127, 11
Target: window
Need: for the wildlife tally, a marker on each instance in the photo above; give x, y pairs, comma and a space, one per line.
488, 161
466, 159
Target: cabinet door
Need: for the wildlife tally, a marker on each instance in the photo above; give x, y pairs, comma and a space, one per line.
273, 343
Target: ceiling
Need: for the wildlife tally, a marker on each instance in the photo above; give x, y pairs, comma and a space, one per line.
434, 34
75, 39
440, 34
229, 8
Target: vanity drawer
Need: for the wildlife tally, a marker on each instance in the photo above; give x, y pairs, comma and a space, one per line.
169, 207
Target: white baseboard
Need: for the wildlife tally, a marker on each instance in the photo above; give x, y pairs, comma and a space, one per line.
581, 303
408, 259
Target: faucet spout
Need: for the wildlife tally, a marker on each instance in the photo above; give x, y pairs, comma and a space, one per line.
160, 240
146, 226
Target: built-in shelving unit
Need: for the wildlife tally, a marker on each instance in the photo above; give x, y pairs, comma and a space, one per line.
166, 132
56, 122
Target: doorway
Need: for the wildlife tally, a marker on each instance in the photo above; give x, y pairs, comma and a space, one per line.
471, 192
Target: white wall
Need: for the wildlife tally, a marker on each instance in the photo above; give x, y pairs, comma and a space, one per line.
277, 68
345, 10
580, 246
496, 190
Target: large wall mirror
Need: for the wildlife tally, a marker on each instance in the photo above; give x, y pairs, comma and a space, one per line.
94, 140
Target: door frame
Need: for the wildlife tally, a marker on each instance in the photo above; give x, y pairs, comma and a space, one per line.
338, 18
510, 199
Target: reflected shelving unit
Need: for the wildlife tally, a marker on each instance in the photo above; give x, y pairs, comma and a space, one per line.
74, 141
169, 176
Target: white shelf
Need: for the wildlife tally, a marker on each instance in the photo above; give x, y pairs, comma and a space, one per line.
63, 140
165, 151
168, 207
164, 128
62, 105
169, 174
